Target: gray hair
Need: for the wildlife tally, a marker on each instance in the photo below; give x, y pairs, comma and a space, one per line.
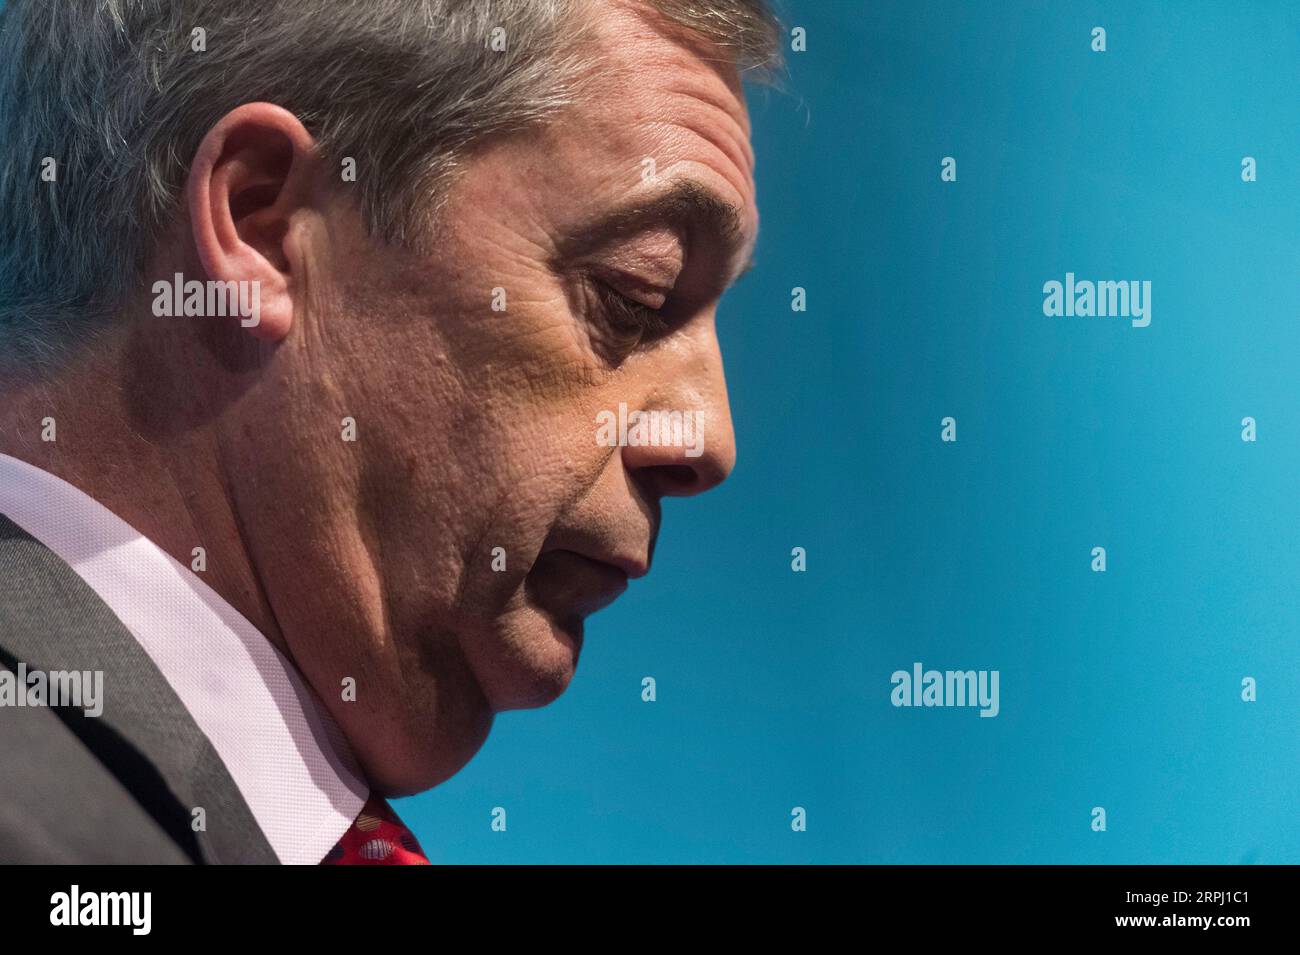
112, 91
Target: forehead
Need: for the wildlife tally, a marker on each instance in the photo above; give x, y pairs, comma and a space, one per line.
654, 106
664, 95
651, 71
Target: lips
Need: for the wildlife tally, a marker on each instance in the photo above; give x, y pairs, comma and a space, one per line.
567, 584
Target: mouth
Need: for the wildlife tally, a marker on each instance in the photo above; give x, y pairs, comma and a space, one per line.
569, 586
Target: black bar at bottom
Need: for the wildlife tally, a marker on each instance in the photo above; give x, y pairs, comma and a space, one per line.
737, 902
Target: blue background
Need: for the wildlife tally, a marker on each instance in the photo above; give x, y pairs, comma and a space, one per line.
1119, 690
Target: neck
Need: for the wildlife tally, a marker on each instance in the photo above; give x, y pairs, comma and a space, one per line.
151, 457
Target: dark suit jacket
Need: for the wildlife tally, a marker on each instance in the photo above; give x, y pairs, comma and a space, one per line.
118, 788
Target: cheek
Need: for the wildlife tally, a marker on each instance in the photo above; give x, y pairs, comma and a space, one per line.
482, 428
540, 466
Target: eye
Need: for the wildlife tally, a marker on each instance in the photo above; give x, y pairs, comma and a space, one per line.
625, 321
631, 313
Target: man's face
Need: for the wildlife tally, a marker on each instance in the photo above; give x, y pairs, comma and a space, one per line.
604, 242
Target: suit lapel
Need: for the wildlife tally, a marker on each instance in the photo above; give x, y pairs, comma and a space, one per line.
51, 619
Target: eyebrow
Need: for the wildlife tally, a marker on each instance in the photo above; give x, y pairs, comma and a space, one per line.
686, 206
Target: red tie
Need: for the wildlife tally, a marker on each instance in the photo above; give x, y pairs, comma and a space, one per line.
376, 837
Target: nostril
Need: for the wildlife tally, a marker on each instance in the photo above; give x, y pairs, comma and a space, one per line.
680, 475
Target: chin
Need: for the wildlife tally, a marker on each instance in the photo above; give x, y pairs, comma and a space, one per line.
404, 761
528, 660
523, 662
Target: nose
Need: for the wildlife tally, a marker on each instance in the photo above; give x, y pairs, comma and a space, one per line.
684, 443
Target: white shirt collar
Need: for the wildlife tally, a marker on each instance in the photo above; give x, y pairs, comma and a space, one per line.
245, 696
